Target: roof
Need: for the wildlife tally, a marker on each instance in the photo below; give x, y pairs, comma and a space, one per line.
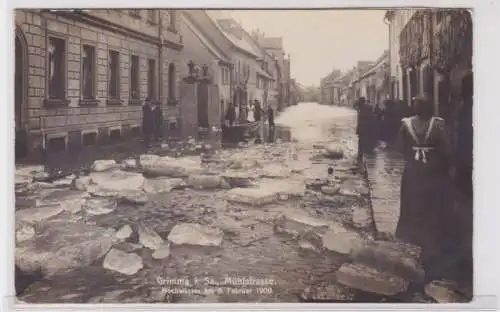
272, 43
264, 73
215, 50
380, 62
232, 31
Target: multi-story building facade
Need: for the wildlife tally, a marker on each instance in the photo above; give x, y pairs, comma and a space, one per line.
397, 21
359, 89
205, 110
344, 90
270, 82
264, 72
374, 81
329, 88
434, 55
226, 33
82, 75
274, 46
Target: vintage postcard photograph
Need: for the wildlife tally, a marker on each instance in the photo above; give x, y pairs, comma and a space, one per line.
243, 156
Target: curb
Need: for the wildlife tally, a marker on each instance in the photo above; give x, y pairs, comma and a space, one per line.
364, 173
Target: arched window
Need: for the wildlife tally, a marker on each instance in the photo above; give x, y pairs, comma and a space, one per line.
171, 82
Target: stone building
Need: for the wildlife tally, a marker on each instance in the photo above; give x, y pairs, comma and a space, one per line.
329, 88
435, 56
359, 89
205, 110
226, 34
374, 81
397, 20
274, 46
82, 75
263, 72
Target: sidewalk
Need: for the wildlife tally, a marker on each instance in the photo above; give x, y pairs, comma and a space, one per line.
384, 169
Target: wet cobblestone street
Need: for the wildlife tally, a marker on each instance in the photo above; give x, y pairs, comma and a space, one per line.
385, 168
259, 249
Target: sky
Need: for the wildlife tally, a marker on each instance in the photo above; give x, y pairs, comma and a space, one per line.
320, 40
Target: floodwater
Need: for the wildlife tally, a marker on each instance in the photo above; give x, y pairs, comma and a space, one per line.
257, 252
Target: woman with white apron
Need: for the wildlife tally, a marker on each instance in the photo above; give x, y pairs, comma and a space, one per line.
426, 187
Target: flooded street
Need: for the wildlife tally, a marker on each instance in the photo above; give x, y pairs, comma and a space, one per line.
280, 241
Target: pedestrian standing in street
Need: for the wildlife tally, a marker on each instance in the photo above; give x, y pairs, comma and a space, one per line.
426, 186
270, 116
365, 128
392, 121
250, 115
257, 111
270, 121
152, 121
379, 121
228, 132
230, 114
257, 115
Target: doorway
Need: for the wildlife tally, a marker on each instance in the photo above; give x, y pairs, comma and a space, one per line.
203, 105
20, 87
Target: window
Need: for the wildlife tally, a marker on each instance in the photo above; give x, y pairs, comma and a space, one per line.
114, 75
226, 78
173, 20
171, 83
153, 16
152, 79
135, 13
57, 68
88, 74
134, 77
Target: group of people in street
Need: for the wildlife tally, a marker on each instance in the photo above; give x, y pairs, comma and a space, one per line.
434, 173
152, 119
254, 113
377, 124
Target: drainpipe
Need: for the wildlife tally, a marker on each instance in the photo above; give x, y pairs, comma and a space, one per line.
45, 79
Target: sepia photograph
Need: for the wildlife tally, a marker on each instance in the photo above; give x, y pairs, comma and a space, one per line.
243, 156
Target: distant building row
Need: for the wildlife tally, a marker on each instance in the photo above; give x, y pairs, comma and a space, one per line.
366, 79
81, 76
430, 52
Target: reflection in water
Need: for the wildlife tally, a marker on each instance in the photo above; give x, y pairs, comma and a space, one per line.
306, 122
278, 132
310, 122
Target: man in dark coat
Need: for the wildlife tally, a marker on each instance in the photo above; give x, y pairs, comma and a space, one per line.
392, 122
152, 121
230, 114
257, 110
270, 121
365, 128
270, 116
